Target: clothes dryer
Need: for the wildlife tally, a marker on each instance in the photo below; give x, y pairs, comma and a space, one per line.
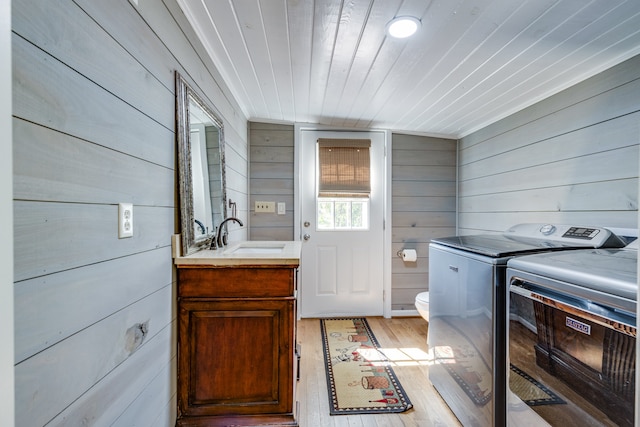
572, 332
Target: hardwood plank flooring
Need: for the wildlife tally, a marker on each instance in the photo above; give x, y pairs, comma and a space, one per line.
407, 337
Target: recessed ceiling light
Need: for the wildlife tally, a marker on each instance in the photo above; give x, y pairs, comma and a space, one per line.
403, 26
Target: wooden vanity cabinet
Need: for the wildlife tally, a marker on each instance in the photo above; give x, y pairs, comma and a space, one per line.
236, 346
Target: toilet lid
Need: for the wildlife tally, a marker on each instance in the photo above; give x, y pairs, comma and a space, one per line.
423, 297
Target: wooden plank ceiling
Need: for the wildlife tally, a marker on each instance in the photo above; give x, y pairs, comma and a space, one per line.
472, 62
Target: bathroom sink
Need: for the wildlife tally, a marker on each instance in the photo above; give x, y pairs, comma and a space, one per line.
257, 249
247, 253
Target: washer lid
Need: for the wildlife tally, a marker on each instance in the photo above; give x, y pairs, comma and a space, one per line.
533, 237
497, 245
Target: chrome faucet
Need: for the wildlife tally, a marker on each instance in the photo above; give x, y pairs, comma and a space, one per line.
222, 239
213, 245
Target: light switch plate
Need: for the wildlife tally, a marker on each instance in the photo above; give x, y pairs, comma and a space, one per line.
125, 220
282, 208
268, 207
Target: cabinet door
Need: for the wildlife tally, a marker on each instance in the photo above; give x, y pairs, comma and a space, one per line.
236, 356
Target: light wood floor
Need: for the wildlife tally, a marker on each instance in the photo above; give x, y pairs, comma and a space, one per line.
409, 335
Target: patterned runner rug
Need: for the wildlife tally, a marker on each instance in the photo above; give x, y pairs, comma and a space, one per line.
529, 390
359, 378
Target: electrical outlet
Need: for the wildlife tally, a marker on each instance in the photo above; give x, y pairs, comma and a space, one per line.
266, 207
282, 208
125, 220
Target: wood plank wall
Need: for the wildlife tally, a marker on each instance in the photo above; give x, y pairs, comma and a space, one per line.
424, 191
271, 162
571, 158
7, 410
93, 123
423, 207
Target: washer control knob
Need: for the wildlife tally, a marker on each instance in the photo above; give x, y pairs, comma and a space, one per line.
547, 229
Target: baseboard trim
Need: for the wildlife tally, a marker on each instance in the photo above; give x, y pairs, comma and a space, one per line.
404, 313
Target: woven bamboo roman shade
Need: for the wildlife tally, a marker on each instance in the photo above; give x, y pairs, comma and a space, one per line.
344, 167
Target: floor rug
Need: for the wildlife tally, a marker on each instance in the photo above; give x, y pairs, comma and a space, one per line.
359, 378
531, 391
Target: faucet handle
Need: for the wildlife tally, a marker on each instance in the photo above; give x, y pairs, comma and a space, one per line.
213, 245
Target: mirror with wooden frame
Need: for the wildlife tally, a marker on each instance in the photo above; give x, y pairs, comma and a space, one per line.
201, 169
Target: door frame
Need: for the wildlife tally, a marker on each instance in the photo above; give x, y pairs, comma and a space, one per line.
386, 197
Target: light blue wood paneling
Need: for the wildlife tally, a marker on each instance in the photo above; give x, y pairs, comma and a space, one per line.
423, 207
572, 158
94, 120
272, 180
7, 407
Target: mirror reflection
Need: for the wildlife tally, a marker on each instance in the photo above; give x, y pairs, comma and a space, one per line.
201, 169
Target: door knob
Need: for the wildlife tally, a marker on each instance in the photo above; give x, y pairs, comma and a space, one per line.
306, 237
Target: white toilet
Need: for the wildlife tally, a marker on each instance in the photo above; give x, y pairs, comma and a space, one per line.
422, 304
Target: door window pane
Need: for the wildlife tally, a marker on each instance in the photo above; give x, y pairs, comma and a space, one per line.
325, 215
337, 214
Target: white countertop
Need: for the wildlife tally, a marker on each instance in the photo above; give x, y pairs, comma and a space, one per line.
246, 253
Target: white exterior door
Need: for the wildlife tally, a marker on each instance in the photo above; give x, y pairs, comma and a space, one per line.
342, 266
